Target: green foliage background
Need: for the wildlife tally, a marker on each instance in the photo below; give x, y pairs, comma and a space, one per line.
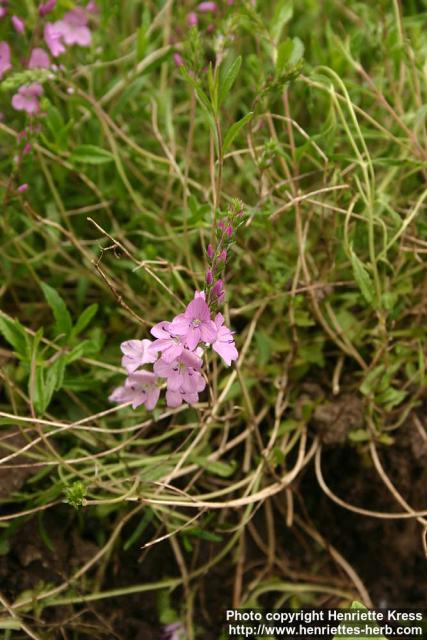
314, 115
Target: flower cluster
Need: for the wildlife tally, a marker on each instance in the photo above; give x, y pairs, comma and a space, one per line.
71, 29
176, 356
177, 351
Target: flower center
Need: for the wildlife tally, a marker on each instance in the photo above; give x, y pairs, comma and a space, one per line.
196, 323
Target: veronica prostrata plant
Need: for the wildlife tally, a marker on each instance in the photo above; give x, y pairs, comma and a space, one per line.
176, 354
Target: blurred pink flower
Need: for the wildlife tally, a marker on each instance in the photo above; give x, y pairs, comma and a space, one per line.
27, 98
18, 24
39, 59
23, 188
179, 61
73, 28
192, 19
4, 58
92, 7
175, 399
207, 7
53, 37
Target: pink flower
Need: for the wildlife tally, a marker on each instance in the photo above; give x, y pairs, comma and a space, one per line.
23, 188
46, 8
4, 58
209, 277
53, 39
27, 98
224, 343
73, 28
182, 373
222, 256
136, 353
192, 19
3, 12
207, 7
18, 24
39, 59
179, 60
168, 343
139, 388
176, 398
210, 251
195, 324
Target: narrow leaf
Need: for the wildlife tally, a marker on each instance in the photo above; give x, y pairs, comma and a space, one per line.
234, 130
227, 78
363, 279
63, 322
91, 154
84, 319
14, 333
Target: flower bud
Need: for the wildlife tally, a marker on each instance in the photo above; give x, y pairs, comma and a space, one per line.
210, 251
179, 60
217, 289
209, 277
229, 231
18, 24
23, 188
222, 256
46, 8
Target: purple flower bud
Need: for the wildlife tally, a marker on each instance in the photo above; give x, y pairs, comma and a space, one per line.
18, 24
27, 148
46, 8
3, 12
209, 277
192, 19
207, 7
23, 188
179, 61
222, 256
229, 231
92, 7
221, 225
210, 251
217, 289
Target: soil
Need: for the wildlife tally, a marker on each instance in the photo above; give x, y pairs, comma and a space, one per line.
387, 555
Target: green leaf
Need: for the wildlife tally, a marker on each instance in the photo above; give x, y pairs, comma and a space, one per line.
218, 468
228, 74
54, 379
38, 395
363, 279
234, 130
63, 324
282, 14
14, 333
289, 55
91, 154
84, 319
